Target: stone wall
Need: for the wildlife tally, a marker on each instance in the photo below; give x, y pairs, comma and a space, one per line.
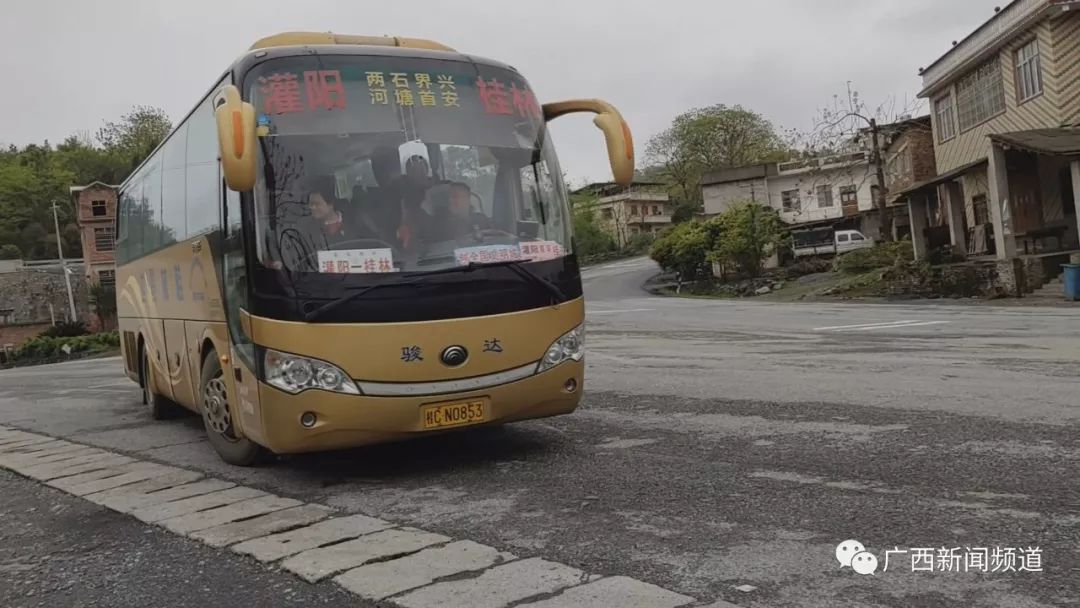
25, 296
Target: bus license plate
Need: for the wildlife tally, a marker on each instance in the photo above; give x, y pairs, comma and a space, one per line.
452, 414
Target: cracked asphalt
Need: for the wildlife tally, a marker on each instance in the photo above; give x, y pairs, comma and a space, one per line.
723, 450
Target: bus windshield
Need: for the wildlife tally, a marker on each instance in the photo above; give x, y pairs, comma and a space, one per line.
375, 164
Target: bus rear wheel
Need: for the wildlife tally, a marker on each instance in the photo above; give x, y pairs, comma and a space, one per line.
217, 415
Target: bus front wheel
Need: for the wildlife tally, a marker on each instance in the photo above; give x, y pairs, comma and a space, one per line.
217, 415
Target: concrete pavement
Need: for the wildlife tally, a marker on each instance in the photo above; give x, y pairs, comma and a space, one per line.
723, 451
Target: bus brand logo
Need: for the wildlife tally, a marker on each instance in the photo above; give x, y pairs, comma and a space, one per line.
454, 356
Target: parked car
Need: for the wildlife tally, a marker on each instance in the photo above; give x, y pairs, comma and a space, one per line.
825, 242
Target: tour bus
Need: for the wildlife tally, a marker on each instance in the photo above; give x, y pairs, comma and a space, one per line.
352, 240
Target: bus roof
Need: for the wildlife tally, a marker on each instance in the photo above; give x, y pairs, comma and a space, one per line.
310, 38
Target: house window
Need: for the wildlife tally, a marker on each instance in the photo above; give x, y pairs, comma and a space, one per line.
849, 196
946, 123
791, 200
655, 210
104, 239
99, 208
1028, 72
606, 213
980, 209
107, 278
824, 196
980, 95
633, 209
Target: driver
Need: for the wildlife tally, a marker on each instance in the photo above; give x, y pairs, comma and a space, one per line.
329, 227
457, 219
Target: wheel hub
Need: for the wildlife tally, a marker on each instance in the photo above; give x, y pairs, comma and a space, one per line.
216, 407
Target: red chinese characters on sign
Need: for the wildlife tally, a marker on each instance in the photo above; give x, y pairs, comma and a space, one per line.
325, 89
493, 96
328, 266
282, 94
525, 102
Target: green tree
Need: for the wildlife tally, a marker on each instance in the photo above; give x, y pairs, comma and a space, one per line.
747, 234
683, 249
10, 251
132, 138
103, 298
590, 239
705, 139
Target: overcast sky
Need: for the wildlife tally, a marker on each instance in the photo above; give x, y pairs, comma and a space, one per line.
72, 64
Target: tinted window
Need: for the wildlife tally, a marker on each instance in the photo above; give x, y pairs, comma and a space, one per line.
842, 238
130, 230
857, 237
154, 234
173, 213
202, 171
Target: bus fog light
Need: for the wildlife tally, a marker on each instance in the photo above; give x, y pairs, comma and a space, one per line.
571, 385
307, 420
569, 347
295, 374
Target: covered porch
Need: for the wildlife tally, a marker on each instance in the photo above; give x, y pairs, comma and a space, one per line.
1016, 206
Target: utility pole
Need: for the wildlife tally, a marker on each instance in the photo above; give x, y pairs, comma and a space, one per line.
886, 220
63, 264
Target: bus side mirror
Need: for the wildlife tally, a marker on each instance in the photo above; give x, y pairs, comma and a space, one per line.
620, 143
236, 138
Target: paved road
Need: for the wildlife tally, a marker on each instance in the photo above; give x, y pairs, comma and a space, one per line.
722, 445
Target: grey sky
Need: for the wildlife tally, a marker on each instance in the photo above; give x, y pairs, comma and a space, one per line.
72, 64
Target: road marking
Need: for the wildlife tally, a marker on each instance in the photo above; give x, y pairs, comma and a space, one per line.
880, 325
611, 312
380, 560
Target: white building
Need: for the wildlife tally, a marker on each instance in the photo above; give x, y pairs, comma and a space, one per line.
838, 189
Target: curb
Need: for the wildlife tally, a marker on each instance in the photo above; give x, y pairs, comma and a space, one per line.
371, 558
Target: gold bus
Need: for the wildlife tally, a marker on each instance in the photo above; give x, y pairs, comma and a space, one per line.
353, 240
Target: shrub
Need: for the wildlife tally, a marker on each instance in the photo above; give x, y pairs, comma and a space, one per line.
66, 329
46, 347
883, 255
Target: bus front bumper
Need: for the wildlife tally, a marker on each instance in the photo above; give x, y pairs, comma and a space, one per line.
344, 421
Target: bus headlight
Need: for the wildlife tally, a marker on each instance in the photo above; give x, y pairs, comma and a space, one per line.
569, 347
295, 374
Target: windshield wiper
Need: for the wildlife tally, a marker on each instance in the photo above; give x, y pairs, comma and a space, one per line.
517, 266
331, 306
514, 265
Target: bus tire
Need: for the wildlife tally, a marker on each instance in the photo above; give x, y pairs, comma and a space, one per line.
217, 415
160, 408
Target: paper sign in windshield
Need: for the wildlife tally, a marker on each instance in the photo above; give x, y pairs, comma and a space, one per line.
541, 250
485, 254
356, 261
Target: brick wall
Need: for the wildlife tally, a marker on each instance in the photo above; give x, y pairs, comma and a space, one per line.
15, 335
918, 142
88, 222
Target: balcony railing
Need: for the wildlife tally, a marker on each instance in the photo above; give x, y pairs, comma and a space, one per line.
635, 196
